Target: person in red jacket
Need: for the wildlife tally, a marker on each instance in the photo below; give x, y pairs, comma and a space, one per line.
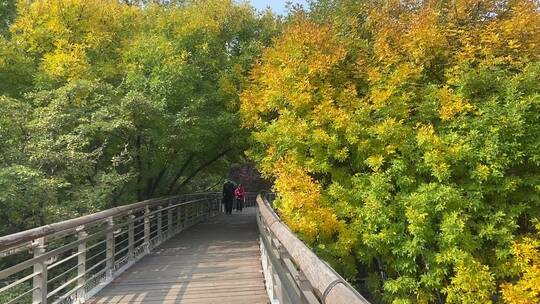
239, 194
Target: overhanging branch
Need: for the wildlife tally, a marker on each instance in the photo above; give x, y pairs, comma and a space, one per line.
201, 167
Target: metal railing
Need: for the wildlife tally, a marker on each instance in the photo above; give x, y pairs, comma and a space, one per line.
292, 272
250, 200
70, 261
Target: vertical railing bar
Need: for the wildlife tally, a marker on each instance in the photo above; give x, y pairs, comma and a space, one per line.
179, 218
169, 221
188, 214
110, 247
39, 295
147, 228
81, 260
131, 235
159, 223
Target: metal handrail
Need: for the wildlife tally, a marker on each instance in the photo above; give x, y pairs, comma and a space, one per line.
294, 273
70, 261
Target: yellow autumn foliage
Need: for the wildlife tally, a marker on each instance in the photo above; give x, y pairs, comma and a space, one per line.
527, 289
302, 204
75, 37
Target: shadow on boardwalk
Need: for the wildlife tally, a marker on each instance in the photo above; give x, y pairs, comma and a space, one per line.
217, 261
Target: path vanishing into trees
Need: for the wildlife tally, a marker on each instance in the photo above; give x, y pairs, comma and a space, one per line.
215, 261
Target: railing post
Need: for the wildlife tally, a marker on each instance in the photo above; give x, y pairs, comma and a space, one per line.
39, 295
204, 208
278, 284
212, 205
169, 221
191, 213
147, 228
188, 215
131, 235
159, 223
81, 262
110, 246
179, 218
267, 267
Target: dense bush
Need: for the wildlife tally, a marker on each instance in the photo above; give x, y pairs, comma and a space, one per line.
404, 138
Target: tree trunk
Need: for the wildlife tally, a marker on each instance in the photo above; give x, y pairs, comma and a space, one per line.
138, 144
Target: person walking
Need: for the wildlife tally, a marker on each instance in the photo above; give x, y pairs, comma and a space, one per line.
228, 196
239, 194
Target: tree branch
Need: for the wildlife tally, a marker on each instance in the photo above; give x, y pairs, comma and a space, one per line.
139, 165
154, 183
201, 167
179, 173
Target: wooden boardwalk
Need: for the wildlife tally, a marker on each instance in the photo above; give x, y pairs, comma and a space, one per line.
217, 261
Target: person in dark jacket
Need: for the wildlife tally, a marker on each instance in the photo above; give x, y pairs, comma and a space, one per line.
228, 196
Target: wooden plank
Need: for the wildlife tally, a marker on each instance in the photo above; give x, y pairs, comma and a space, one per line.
140, 298
188, 277
190, 294
217, 261
194, 286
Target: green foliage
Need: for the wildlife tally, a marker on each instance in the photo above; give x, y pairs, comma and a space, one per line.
7, 14
104, 103
16, 70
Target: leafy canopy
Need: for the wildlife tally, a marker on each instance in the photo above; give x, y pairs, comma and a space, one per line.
106, 102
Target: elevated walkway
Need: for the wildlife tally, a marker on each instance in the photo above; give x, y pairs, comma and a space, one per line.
179, 249
216, 261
